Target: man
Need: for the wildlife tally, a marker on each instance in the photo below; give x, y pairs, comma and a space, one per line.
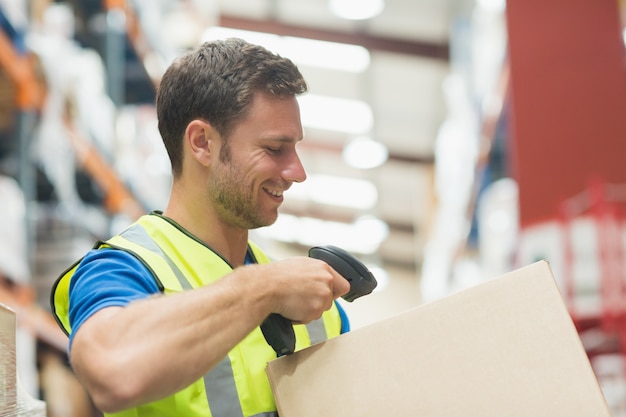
164, 318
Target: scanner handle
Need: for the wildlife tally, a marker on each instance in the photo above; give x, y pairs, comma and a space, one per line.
278, 330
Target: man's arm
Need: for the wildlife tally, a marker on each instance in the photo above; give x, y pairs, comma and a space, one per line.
126, 356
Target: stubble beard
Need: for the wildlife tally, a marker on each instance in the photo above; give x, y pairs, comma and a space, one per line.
234, 199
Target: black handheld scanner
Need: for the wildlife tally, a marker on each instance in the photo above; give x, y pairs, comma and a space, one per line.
278, 330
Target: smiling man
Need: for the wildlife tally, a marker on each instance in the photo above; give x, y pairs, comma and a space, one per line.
164, 318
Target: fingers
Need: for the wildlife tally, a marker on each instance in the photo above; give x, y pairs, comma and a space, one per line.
340, 285
308, 287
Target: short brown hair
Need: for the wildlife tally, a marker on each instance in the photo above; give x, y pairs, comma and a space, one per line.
216, 82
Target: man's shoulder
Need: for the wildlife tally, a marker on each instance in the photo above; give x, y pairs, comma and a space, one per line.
109, 255
109, 261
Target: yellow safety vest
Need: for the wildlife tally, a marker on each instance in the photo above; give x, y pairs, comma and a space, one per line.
238, 385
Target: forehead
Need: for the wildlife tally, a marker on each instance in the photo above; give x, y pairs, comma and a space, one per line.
271, 116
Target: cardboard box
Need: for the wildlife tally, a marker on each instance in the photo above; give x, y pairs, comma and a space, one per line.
8, 395
14, 400
506, 347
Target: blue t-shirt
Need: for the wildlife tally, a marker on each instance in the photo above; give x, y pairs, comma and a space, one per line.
111, 277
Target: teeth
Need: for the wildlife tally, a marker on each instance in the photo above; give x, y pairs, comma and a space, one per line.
275, 193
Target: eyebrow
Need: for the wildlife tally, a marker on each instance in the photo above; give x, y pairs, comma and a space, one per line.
281, 139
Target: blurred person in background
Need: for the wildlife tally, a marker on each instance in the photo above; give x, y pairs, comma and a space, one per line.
164, 318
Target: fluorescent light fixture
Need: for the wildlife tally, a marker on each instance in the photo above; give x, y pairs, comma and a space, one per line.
370, 229
336, 114
323, 54
307, 52
356, 9
364, 153
497, 6
330, 190
268, 40
362, 236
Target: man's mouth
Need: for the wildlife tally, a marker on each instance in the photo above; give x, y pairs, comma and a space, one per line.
275, 193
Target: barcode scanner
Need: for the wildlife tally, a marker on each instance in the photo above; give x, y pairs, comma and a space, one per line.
278, 330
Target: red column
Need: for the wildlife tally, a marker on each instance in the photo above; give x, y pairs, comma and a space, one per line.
568, 85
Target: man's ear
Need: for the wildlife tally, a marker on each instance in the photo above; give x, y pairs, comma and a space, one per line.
200, 137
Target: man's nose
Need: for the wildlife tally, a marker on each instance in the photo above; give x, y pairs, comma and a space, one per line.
294, 171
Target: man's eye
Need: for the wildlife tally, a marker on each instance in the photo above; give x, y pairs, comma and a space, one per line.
273, 150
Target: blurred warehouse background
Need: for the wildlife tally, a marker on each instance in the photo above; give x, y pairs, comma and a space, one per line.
446, 142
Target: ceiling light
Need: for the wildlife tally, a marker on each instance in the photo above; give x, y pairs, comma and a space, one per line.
356, 9
331, 190
330, 55
497, 6
365, 153
307, 52
364, 236
336, 114
370, 230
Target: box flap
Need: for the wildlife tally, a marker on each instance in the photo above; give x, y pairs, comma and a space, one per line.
506, 347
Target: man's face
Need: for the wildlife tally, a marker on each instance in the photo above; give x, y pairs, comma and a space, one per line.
259, 164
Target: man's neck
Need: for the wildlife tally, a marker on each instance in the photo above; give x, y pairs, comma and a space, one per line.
230, 242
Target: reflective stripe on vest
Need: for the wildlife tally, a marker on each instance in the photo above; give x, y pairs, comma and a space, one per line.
216, 387
138, 235
237, 386
220, 383
317, 331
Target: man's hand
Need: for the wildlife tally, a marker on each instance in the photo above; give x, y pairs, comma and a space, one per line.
304, 287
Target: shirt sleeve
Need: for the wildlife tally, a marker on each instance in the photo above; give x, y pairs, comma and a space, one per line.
106, 278
345, 321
